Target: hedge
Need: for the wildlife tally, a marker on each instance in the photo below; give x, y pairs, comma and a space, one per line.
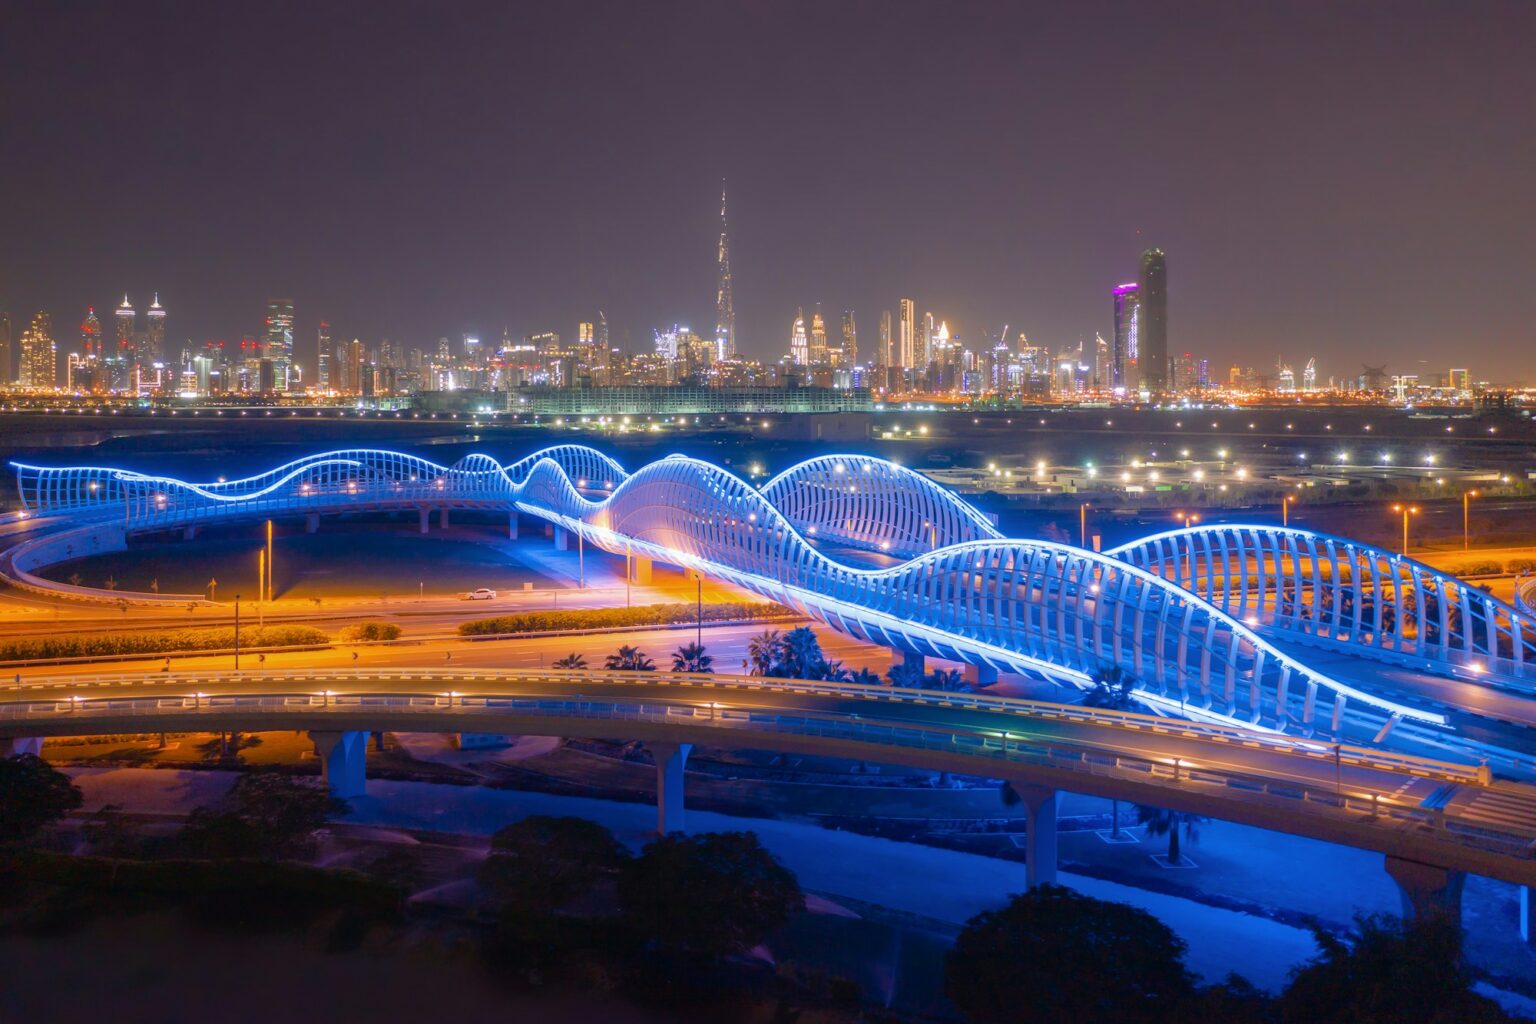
1487, 567
74, 646
609, 618
372, 631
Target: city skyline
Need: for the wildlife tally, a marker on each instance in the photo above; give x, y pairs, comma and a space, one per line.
1310, 219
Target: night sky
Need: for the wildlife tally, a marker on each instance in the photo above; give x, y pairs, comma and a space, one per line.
1355, 181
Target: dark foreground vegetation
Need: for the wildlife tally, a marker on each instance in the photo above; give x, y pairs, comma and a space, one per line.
686, 926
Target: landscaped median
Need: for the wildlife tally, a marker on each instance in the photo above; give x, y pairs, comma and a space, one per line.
611, 618
43, 648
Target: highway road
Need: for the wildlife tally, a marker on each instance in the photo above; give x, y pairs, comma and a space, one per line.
1433, 812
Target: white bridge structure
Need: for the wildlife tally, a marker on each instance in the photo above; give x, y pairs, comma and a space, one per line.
1213, 623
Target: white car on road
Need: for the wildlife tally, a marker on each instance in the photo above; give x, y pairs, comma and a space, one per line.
483, 594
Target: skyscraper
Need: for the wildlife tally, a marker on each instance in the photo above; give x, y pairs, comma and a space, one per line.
1125, 362
279, 338
908, 347
883, 350
725, 313
818, 349
1152, 284
850, 339
156, 334
90, 336
123, 357
799, 349
39, 354
7, 364
324, 347
925, 341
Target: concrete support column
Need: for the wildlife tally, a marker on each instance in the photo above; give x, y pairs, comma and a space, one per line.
424, 515
442, 519
189, 533
343, 760
549, 529
909, 657
980, 675
1426, 889
562, 539
640, 570
511, 526
1040, 839
1528, 915
14, 746
312, 522
670, 759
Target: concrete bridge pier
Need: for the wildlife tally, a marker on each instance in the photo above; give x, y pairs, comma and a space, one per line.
670, 759
549, 528
189, 533
562, 539
343, 760
1040, 837
1528, 915
640, 570
906, 656
511, 526
1427, 888
312, 522
424, 519
442, 518
15, 746
980, 675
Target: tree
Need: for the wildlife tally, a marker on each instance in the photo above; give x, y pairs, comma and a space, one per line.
906, 675
1388, 970
801, 657
629, 659
110, 583
264, 815
764, 651
1160, 821
32, 794
865, 677
1056, 957
543, 862
707, 895
834, 672
1112, 689
571, 661
74, 579
691, 658
945, 679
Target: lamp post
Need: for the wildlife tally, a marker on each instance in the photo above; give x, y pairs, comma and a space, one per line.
1406, 510
237, 632
1188, 519
698, 578
269, 560
1285, 510
1466, 512
1082, 525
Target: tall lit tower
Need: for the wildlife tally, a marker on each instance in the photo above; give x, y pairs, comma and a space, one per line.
39, 354
7, 371
818, 349
799, 349
156, 335
324, 355
1125, 360
883, 350
850, 339
725, 313
90, 336
1153, 286
907, 347
122, 358
279, 338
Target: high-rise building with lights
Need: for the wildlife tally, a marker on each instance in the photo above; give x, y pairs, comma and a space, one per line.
155, 334
925, 340
850, 339
279, 339
725, 312
125, 351
90, 336
324, 347
818, 341
908, 346
1126, 355
1152, 287
883, 350
39, 354
799, 345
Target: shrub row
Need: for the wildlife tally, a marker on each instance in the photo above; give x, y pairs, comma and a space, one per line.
608, 618
1492, 566
372, 631
67, 646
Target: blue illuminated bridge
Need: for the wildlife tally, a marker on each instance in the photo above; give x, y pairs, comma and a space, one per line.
1264, 635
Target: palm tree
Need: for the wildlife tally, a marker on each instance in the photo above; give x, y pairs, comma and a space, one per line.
802, 657
909, 676
1112, 688
572, 660
691, 658
946, 679
764, 651
834, 672
1160, 821
864, 677
629, 659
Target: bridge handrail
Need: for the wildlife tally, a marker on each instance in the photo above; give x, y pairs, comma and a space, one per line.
1348, 754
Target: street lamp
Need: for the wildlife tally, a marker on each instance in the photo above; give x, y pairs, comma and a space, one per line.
1406, 510
698, 578
1285, 510
1082, 524
237, 632
1188, 519
1466, 510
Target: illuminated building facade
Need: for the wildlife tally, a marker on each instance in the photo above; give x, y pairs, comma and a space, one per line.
279, 342
39, 354
725, 311
1152, 290
1126, 358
